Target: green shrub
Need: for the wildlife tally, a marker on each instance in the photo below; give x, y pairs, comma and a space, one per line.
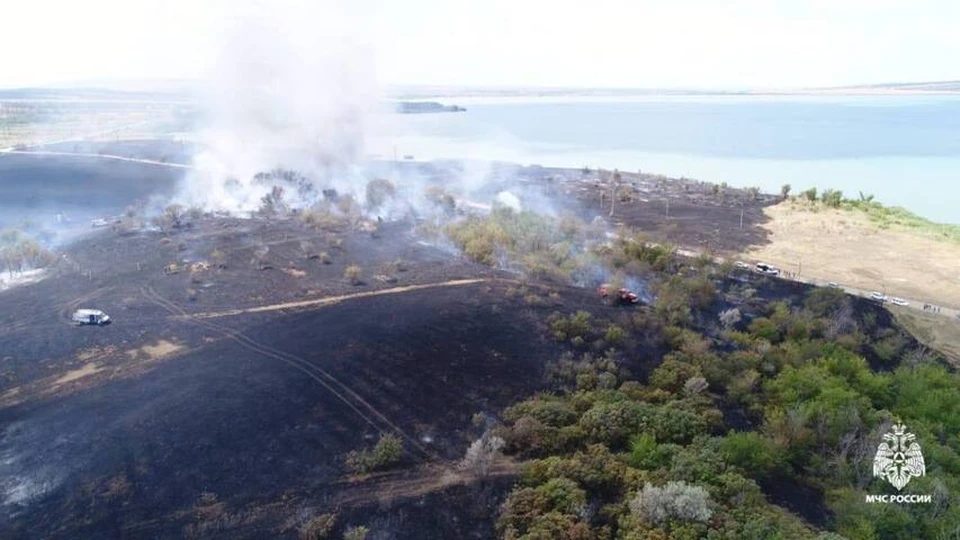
615, 335
614, 423
386, 453
358, 532
757, 456
550, 412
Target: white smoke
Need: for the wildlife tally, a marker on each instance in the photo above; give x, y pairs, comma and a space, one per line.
511, 201
294, 87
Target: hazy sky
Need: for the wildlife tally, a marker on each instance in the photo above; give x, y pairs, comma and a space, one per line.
605, 43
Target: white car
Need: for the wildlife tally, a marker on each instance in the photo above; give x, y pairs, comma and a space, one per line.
899, 301
878, 296
90, 316
768, 269
833, 285
742, 265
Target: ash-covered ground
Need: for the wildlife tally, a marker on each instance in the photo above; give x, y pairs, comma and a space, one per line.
165, 425
241, 366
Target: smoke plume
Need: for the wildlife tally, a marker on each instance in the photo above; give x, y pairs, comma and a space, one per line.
294, 87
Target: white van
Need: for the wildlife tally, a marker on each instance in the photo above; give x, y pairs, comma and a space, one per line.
90, 316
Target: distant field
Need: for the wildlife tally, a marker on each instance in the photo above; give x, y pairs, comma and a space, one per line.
934, 331
862, 250
35, 122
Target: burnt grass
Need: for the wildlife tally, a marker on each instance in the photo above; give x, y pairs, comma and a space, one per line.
141, 447
242, 430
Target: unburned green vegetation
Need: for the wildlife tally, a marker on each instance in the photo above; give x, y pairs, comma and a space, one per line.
883, 216
385, 454
762, 424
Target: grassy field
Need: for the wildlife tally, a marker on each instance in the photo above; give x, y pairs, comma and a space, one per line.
30, 124
897, 217
881, 249
934, 331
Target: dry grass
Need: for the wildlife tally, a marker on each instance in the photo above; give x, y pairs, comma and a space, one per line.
72, 124
934, 331
161, 349
82, 371
845, 246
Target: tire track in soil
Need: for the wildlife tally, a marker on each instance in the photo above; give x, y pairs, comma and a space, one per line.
330, 300
309, 369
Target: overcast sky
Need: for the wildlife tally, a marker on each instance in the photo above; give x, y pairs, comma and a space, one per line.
596, 43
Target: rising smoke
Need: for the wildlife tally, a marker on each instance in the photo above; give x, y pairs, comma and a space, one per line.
294, 87
294, 100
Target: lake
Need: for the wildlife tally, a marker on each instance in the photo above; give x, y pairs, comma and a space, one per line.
905, 150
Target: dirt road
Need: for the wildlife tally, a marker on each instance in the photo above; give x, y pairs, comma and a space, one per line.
330, 300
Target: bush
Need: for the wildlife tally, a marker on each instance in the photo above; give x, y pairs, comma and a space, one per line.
646, 454
353, 274
810, 194
319, 528
763, 327
677, 501
832, 198
550, 412
695, 385
386, 453
614, 423
481, 454
358, 532
379, 191
672, 374
563, 495
615, 335
577, 325
755, 455
730, 317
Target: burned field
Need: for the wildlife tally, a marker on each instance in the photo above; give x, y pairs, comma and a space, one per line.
131, 428
684, 212
299, 372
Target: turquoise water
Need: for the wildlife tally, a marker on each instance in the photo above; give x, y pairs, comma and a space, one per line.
903, 150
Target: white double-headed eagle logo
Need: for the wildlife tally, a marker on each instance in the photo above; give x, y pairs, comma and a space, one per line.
899, 458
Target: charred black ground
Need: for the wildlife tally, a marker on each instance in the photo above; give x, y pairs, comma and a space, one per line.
242, 365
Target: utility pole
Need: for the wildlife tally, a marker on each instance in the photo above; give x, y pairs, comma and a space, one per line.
613, 190
668, 209
741, 218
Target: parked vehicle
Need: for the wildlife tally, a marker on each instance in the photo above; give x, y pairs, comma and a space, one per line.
878, 296
622, 297
833, 285
899, 301
90, 316
768, 269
